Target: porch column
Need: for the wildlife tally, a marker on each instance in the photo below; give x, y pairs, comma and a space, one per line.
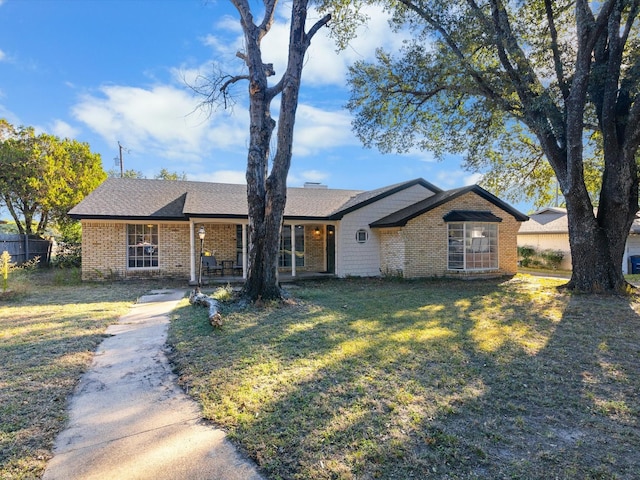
192, 256
293, 250
244, 251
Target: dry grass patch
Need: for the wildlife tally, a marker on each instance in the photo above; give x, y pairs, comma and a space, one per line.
49, 328
438, 379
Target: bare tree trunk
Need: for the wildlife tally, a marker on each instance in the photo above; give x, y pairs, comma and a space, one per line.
267, 193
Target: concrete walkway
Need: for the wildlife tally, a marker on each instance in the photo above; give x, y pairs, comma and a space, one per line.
130, 420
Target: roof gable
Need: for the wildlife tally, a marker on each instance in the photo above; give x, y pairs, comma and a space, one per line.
401, 217
367, 198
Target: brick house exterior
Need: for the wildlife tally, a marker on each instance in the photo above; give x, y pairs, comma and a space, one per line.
135, 228
419, 248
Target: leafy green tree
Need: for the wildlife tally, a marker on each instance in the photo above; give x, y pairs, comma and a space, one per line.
42, 176
129, 173
534, 90
165, 174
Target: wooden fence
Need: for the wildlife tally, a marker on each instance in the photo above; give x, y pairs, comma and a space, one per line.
22, 248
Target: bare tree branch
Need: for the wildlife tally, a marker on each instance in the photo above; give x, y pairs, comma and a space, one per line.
318, 25
269, 14
557, 59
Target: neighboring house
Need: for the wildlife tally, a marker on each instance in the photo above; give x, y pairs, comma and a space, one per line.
140, 228
548, 229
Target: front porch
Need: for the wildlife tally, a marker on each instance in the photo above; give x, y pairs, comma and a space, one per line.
208, 280
218, 251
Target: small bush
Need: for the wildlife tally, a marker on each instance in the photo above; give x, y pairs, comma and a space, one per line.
69, 255
5, 267
525, 254
532, 258
67, 276
223, 294
552, 258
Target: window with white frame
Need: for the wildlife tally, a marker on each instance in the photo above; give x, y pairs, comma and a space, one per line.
473, 246
284, 259
142, 246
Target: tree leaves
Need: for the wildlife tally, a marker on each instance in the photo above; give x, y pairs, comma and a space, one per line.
42, 176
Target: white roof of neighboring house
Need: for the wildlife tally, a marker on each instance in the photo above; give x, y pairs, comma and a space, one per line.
546, 220
553, 220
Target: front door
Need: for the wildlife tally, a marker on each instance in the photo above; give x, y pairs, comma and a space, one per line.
331, 249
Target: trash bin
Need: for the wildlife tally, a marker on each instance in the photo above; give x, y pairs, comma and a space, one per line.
635, 263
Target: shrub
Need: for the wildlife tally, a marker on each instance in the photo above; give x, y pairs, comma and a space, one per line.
532, 258
526, 254
5, 267
223, 294
68, 255
552, 258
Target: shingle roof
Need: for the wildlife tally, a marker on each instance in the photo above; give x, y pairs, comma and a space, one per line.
130, 198
547, 220
401, 217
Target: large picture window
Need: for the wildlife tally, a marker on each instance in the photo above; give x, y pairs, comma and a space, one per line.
473, 246
142, 246
285, 246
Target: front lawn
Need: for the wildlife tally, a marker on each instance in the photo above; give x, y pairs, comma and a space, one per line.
50, 326
363, 379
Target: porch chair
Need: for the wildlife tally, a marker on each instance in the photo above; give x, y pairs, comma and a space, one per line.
211, 266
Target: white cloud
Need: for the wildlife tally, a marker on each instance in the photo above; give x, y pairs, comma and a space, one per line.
222, 176
229, 23
163, 120
314, 176
473, 179
7, 114
3, 55
62, 129
323, 65
456, 178
422, 155
318, 129
295, 179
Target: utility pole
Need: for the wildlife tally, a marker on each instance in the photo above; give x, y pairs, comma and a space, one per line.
121, 163
121, 148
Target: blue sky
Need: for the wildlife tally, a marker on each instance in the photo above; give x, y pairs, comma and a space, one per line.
109, 71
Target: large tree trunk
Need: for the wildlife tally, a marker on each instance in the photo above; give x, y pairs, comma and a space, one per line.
267, 193
262, 258
596, 261
598, 240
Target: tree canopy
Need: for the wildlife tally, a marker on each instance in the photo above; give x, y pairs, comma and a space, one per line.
531, 91
43, 176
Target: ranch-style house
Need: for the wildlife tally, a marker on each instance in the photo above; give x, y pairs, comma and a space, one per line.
139, 228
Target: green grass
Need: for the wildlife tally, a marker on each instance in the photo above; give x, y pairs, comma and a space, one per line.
50, 325
360, 379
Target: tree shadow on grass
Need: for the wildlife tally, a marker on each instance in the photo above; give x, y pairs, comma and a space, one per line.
425, 380
569, 410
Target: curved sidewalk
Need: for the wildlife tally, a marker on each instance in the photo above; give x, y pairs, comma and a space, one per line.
130, 420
